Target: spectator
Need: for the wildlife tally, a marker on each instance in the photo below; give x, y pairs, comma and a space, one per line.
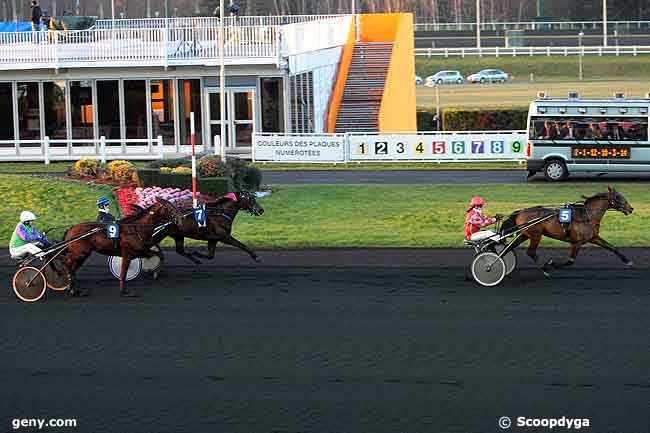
549, 133
36, 18
567, 132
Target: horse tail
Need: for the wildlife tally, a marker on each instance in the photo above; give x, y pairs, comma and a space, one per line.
510, 224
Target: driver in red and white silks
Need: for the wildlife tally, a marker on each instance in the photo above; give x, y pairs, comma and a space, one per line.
476, 220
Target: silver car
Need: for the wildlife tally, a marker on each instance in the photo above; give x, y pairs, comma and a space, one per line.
488, 76
444, 77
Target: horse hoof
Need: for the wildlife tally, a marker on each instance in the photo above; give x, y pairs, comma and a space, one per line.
547, 274
629, 263
127, 294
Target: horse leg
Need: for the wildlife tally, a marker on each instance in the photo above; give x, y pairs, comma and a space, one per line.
212, 248
126, 261
609, 247
180, 250
575, 247
235, 243
535, 239
73, 263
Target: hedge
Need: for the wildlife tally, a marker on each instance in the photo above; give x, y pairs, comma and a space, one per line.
484, 120
214, 186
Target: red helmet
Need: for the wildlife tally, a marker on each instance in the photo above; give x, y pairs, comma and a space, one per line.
477, 201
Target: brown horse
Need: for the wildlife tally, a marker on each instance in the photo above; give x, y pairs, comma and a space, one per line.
584, 227
135, 239
220, 217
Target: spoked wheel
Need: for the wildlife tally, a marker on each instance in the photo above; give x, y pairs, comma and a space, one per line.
57, 280
488, 269
29, 284
115, 266
510, 258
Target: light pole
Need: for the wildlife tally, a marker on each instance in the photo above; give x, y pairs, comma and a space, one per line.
478, 24
580, 54
354, 7
605, 23
222, 84
113, 13
437, 107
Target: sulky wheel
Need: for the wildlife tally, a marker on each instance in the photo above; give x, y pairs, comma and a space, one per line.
57, 280
488, 269
510, 259
29, 284
115, 266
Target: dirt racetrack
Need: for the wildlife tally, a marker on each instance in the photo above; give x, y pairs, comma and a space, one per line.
342, 340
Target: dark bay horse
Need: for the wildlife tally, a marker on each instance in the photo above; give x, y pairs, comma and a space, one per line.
135, 239
584, 227
220, 216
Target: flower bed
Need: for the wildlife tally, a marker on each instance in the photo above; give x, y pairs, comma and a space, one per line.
145, 197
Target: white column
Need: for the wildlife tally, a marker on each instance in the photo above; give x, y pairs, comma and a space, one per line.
478, 24
604, 23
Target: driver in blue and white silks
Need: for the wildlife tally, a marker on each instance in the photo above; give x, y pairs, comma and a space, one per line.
104, 214
26, 239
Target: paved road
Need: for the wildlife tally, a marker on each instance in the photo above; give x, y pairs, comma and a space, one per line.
426, 177
333, 341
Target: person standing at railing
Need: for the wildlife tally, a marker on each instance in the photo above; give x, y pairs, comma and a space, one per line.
37, 13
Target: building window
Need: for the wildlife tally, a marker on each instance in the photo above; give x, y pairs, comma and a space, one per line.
29, 115
162, 110
108, 109
6, 112
272, 100
302, 103
190, 101
135, 109
54, 110
82, 110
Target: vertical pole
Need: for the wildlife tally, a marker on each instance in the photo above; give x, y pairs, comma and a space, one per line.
161, 150
222, 83
580, 54
478, 24
113, 13
102, 149
604, 23
193, 142
437, 108
46, 149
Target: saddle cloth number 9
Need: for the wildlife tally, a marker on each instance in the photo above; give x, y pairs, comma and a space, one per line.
112, 231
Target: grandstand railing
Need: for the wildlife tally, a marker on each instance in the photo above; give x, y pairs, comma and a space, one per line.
185, 22
531, 25
533, 51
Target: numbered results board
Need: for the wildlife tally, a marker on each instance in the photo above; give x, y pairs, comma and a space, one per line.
434, 147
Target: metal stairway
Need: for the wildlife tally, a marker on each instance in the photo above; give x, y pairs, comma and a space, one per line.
364, 88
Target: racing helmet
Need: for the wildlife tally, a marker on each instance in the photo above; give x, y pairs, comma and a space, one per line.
477, 201
103, 201
26, 216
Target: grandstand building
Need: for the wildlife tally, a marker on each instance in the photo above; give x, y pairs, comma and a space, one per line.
132, 81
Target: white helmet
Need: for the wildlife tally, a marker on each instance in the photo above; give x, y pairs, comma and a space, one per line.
27, 216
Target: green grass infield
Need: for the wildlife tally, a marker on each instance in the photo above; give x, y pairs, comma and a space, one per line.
339, 216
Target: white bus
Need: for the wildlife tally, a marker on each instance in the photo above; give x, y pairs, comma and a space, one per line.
579, 135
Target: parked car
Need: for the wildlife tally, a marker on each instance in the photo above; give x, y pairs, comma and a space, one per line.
418, 80
444, 77
488, 76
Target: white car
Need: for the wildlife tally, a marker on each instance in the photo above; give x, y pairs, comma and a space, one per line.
488, 76
418, 80
444, 77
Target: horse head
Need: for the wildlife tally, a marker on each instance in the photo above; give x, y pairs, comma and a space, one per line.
617, 202
167, 211
248, 203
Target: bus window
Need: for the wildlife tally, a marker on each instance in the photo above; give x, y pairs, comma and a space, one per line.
589, 128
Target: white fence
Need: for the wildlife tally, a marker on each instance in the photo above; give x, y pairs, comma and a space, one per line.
442, 146
533, 51
531, 25
157, 46
47, 150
